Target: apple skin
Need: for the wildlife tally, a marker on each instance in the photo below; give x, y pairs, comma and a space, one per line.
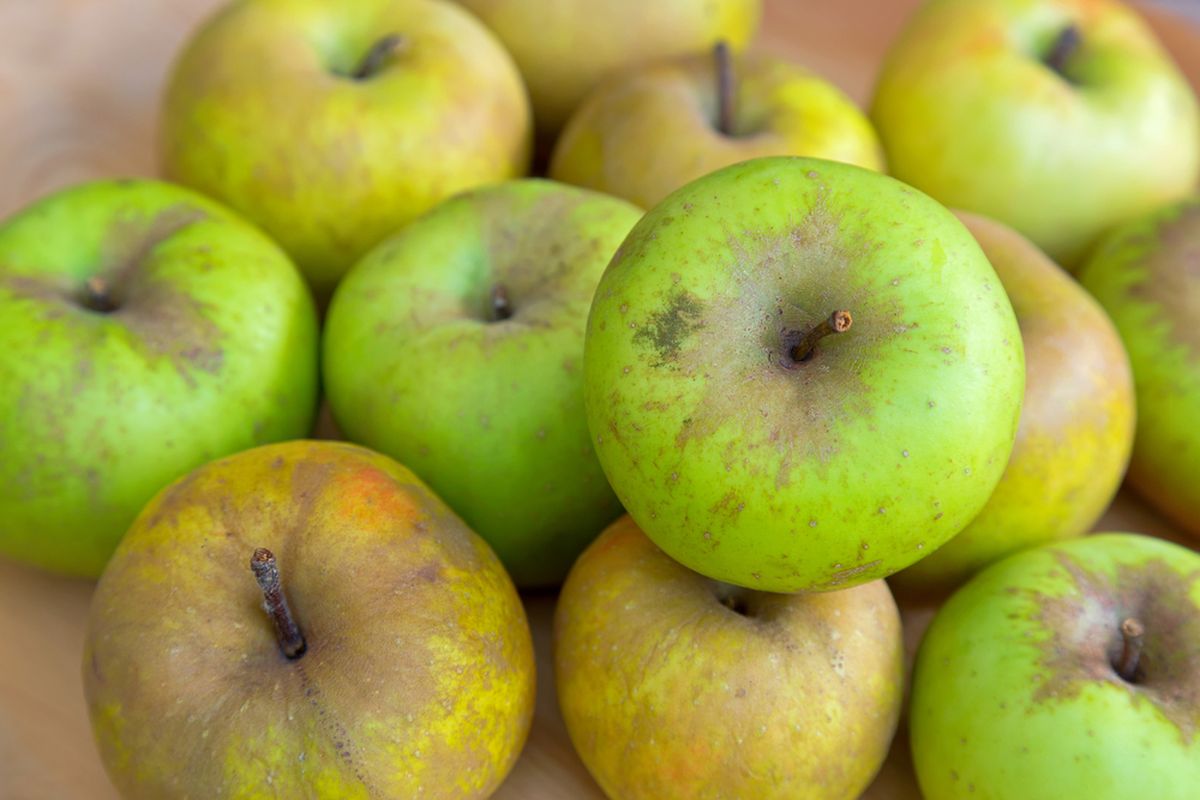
1146, 275
490, 413
669, 693
1014, 695
213, 349
645, 133
564, 48
418, 679
817, 475
258, 114
1077, 419
969, 113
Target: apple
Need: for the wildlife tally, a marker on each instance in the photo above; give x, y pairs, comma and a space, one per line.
566, 47
146, 330
1060, 118
306, 620
1077, 419
1147, 275
645, 133
331, 126
673, 685
801, 375
456, 347
1068, 670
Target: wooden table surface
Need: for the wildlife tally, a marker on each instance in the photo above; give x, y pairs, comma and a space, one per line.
79, 81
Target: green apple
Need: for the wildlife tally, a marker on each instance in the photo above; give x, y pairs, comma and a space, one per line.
383, 652
1070, 670
146, 330
456, 346
757, 452
645, 133
332, 125
1077, 420
673, 685
1147, 275
566, 47
1060, 118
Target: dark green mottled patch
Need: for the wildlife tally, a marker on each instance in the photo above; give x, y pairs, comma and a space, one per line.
1084, 638
666, 330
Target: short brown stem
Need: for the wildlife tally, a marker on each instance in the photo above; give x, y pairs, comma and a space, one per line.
501, 307
97, 295
838, 322
266, 572
1132, 633
1064, 47
723, 59
377, 55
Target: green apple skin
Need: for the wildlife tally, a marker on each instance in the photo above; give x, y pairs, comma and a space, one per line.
418, 677
669, 693
1077, 420
489, 412
645, 133
786, 476
1014, 693
969, 112
1147, 275
566, 47
212, 349
259, 113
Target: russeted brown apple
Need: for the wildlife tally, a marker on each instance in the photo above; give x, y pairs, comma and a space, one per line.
306, 620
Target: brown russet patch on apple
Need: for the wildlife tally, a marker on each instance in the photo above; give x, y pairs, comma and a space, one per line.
1171, 277
784, 285
666, 330
1084, 637
840, 576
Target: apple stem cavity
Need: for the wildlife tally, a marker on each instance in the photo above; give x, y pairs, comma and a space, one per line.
97, 296
1132, 633
837, 322
725, 92
1065, 46
501, 306
375, 58
266, 572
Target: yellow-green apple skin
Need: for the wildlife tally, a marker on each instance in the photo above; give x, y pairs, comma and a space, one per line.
418, 677
763, 471
565, 47
488, 410
1016, 690
643, 134
261, 113
205, 344
675, 686
970, 112
1147, 275
1077, 419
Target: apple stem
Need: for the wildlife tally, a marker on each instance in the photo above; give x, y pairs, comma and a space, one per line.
1132, 632
725, 99
96, 295
838, 322
501, 307
377, 55
1064, 47
266, 572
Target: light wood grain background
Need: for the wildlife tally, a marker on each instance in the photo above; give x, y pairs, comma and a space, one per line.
79, 82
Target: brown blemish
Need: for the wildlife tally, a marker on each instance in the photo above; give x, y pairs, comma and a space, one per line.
1084, 640
841, 576
1171, 277
666, 330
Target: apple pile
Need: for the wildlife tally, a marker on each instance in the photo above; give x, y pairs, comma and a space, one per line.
745, 353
